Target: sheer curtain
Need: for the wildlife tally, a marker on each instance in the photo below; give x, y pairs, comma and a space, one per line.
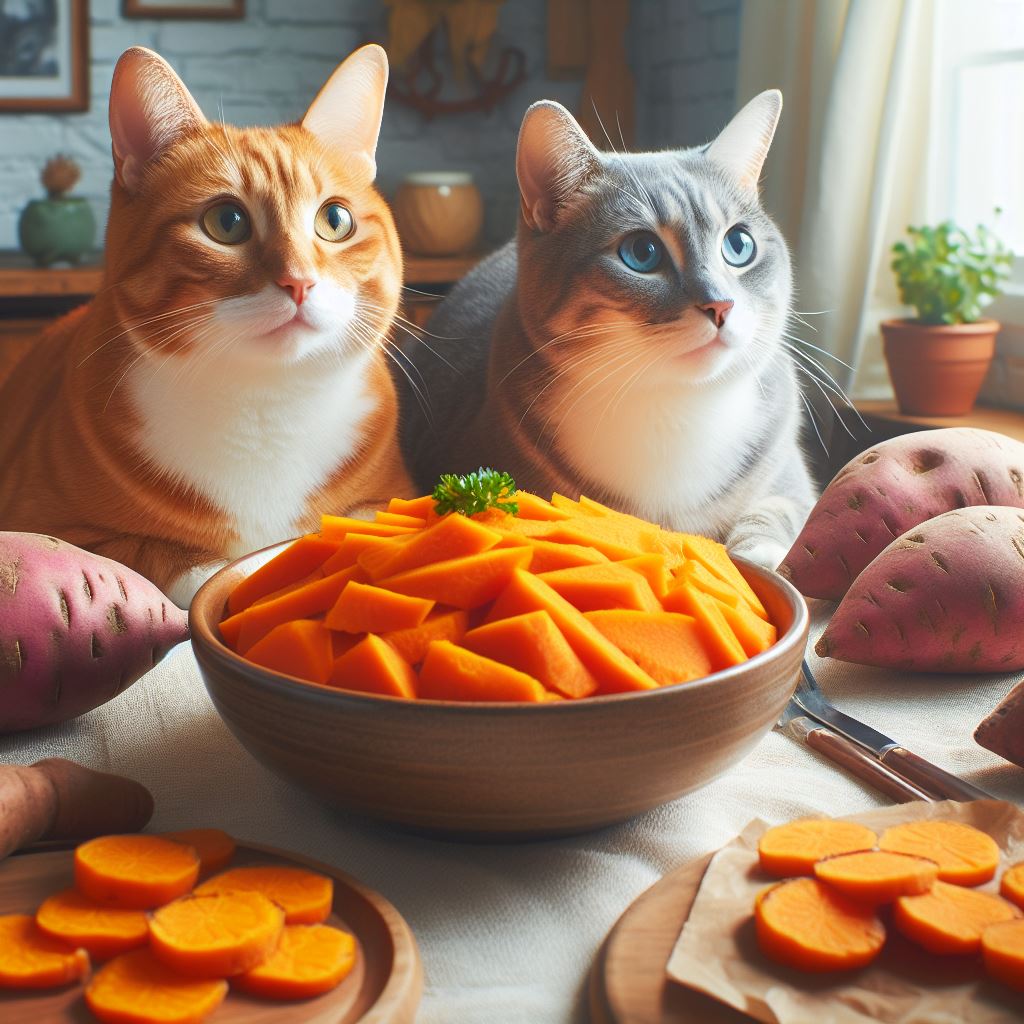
848, 167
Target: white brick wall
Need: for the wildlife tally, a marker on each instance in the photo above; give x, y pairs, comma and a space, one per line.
266, 69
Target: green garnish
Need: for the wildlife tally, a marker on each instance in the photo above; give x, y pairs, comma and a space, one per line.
475, 492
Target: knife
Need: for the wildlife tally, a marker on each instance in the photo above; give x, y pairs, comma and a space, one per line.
916, 770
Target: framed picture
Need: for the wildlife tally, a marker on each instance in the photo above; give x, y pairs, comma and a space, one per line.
44, 55
184, 8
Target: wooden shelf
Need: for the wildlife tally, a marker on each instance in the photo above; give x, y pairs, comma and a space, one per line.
1004, 421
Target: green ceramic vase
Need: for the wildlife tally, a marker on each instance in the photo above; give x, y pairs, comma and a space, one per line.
51, 230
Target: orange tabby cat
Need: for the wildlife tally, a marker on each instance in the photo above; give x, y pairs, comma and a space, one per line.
229, 380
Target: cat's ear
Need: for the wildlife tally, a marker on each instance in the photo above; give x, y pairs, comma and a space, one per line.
743, 143
150, 108
553, 159
347, 111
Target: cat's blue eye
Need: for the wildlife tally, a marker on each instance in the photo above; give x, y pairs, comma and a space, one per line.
226, 223
642, 251
333, 222
738, 247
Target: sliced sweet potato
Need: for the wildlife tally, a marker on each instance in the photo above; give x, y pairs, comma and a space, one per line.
606, 585
440, 624
303, 581
309, 960
533, 507
533, 644
136, 872
612, 537
214, 847
714, 557
31, 959
721, 643
300, 648
965, 855
569, 505
693, 572
463, 582
454, 673
653, 568
1002, 947
355, 545
549, 555
877, 876
363, 608
614, 671
297, 560
102, 931
422, 507
754, 633
795, 847
949, 919
1011, 885
336, 527
666, 645
373, 666
305, 896
399, 519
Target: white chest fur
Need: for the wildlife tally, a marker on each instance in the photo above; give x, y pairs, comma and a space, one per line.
258, 449
670, 449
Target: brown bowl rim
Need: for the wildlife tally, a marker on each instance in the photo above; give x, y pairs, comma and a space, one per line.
202, 634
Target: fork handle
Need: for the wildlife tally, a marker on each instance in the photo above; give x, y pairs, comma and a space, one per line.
930, 777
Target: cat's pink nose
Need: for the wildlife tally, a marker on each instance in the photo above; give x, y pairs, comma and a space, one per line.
298, 287
716, 311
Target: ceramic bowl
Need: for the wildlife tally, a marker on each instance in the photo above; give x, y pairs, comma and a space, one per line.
500, 771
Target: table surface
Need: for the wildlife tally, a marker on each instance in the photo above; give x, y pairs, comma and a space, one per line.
508, 933
1004, 421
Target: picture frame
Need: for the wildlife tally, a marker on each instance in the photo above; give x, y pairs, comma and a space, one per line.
44, 56
184, 9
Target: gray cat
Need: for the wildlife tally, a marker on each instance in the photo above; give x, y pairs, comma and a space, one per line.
628, 344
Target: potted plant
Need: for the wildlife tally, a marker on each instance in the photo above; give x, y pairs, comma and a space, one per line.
938, 360
60, 227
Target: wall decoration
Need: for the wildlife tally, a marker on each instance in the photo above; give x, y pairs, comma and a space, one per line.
184, 9
44, 55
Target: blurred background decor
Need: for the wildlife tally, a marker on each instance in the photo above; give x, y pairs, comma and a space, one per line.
59, 227
184, 8
44, 56
438, 213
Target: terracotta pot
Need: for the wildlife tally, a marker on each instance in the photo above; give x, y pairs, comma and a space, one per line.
937, 369
438, 213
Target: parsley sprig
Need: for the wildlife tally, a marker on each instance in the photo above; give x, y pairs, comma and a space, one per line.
475, 492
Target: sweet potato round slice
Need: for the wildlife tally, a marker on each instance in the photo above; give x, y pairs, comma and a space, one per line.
877, 876
31, 959
136, 988
965, 855
309, 960
136, 872
805, 924
216, 934
949, 919
305, 895
1011, 885
793, 848
103, 932
214, 846
1002, 947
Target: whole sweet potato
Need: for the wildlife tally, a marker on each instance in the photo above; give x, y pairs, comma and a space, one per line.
75, 630
892, 488
947, 596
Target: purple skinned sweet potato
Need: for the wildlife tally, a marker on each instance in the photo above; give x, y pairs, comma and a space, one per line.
75, 630
947, 596
892, 488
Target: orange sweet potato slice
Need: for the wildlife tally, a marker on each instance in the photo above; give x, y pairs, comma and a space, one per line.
549, 555
533, 644
965, 855
241, 631
877, 876
373, 666
102, 931
608, 585
400, 519
297, 560
754, 633
452, 536
793, 848
1002, 948
1011, 885
305, 896
300, 648
714, 557
653, 568
336, 527
454, 673
309, 960
216, 934
421, 507
693, 572
720, 641
355, 545
531, 506
614, 671
666, 645
31, 959
462, 582
440, 624
566, 504
611, 536
136, 872
803, 923
214, 847
363, 608
304, 581
137, 988
949, 919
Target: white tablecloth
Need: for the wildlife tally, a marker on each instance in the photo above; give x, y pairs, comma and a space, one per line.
508, 933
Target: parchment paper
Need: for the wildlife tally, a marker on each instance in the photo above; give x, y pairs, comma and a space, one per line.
717, 951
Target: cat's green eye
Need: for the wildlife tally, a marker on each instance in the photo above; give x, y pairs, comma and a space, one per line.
333, 222
227, 223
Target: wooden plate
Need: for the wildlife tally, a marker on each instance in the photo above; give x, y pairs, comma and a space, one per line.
628, 983
384, 987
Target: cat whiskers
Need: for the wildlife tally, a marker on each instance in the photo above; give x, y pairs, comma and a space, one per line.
832, 384
629, 171
417, 333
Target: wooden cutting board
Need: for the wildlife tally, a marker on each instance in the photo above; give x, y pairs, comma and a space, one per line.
384, 987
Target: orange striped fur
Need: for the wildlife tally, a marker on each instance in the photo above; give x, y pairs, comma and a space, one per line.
214, 398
